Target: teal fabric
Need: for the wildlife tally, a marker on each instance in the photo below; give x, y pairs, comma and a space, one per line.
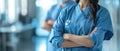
80, 23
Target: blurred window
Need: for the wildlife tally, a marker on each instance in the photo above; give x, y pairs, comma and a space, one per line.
24, 7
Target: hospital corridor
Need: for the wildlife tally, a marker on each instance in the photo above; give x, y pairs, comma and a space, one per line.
28, 25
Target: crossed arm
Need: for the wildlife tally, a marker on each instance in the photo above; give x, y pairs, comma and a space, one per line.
75, 40
48, 24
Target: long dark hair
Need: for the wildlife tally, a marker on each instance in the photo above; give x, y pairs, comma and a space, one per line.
77, 1
94, 7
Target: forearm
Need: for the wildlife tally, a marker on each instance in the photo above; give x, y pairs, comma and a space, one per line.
51, 22
81, 40
68, 44
46, 26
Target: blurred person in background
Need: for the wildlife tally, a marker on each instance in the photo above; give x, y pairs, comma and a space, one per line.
82, 27
52, 16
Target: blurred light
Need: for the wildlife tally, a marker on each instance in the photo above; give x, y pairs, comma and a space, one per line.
0, 14
40, 44
42, 47
11, 11
24, 11
108, 2
45, 4
1, 7
24, 7
116, 3
41, 32
13, 28
2, 4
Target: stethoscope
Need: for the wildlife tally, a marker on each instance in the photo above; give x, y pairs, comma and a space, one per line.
68, 21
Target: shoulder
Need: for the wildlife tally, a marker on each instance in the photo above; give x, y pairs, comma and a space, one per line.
67, 9
102, 11
70, 5
54, 6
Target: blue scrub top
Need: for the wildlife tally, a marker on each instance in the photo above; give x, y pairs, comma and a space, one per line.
80, 23
53, 12
53, 15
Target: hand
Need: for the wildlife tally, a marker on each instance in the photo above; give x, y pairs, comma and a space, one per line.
95, 29
46, 26
51, 22
67, 36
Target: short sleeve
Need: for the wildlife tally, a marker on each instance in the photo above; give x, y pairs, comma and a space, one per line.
50, 12
48, 16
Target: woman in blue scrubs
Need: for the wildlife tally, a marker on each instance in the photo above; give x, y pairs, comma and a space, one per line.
82, 27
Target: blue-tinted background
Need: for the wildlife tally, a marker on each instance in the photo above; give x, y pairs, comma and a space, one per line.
21, 20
